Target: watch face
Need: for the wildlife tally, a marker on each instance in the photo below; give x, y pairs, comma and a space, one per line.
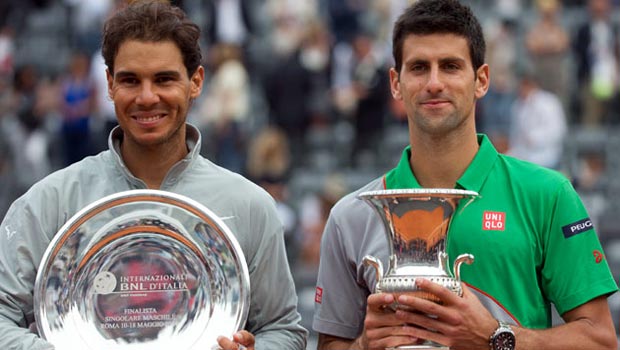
504, 341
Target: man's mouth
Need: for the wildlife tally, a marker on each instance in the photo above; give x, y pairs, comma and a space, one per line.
435, 102
149, 118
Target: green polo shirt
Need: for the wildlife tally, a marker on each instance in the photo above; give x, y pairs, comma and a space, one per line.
529, 232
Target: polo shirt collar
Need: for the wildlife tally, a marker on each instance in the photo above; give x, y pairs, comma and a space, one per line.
402, 176
474, 177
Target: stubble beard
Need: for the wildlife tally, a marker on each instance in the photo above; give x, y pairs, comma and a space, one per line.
438, 125
163, 141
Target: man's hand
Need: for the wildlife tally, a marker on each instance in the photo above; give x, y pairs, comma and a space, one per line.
382, 327
459, 322
242, 340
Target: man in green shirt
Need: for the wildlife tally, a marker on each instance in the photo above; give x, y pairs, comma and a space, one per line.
529, 231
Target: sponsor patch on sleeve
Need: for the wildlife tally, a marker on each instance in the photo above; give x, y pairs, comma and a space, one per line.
576, 228
318, 296
598, 256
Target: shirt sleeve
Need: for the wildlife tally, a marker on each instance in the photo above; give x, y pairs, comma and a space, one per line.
575, 270
273, 316
19, 257
340, 302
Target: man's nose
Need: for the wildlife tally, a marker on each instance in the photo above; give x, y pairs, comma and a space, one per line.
435, 83
148, 94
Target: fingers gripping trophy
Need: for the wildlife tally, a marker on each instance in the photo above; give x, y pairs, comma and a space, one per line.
416, 225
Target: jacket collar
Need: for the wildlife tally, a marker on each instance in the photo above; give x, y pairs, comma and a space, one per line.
193, 141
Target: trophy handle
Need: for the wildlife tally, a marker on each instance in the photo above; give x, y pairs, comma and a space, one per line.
376, 263
463, 258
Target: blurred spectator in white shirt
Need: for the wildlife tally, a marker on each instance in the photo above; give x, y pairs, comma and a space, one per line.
538, 125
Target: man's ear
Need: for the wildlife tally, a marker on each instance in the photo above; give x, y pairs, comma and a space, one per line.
482, 81
395, 84
110, 79
197, 80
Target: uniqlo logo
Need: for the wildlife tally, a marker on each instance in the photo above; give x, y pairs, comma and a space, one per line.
493, 221
318, 296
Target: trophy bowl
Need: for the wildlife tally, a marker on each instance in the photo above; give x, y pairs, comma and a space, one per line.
416, 225
141, 269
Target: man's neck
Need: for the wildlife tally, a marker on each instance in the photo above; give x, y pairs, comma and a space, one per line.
440, 162
152, 164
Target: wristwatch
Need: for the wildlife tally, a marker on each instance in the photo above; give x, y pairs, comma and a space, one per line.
503, 338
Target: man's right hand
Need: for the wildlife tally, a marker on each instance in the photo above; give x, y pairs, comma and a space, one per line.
382, 329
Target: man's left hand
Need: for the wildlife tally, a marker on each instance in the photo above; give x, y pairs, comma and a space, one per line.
459, 322
242, 340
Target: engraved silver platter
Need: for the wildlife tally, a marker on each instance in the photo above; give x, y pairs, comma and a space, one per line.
141, 269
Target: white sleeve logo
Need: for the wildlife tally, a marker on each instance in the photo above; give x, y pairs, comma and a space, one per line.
9, 233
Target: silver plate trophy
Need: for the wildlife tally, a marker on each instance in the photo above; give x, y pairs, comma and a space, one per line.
416, 224
141, 269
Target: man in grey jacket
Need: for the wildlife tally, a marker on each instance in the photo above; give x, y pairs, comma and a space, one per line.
153, 58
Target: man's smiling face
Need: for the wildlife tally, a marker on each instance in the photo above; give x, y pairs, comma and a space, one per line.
152, 92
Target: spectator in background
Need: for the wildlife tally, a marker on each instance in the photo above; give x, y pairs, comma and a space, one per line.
538, 124
381, 15
508, 8
269, 166
104, 107
228, 22
502, 59
590, 173
269, 155
7, 50
314, 211
24, 129
86, 18
25, 83
232, 22
7, 190
548, 43
371, 90
288, 84
344, 18
315, 58
28, 103
597, 51
14, 13
224, 109
361, 92
77, 106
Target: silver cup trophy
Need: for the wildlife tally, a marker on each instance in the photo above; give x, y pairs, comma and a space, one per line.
416, 225
141, 269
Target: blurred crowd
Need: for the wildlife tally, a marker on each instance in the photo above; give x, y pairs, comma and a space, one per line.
297, 96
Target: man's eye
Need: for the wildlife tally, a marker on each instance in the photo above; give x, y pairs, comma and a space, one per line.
129, 81
418, 68
164, 79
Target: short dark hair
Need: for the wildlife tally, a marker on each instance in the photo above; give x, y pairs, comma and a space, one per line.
426, 17
153, 21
